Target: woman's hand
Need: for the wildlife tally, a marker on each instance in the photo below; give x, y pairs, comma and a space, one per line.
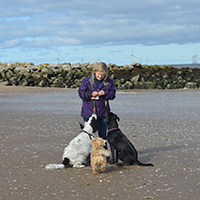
94, 94
101, 93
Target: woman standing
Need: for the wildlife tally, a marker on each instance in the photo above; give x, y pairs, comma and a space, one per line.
96, 90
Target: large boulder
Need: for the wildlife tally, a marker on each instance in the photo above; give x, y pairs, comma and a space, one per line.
135, 79
190, 85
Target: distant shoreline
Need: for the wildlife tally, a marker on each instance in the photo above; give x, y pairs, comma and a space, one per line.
195, 65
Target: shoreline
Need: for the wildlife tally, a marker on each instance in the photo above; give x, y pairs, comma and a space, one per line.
24, 88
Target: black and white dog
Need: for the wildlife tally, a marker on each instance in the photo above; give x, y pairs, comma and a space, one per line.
118, 142
80, 147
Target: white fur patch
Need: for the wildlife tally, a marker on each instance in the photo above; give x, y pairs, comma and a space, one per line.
55, 166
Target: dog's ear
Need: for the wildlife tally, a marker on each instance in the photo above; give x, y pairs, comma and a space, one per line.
106, 112
95, 125
93, 120
81, 125
94, 142
104, 142
114, 116
117, 117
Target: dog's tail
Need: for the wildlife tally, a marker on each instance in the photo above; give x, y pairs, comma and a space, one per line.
65, 163
143, 164
104, 152
55, 166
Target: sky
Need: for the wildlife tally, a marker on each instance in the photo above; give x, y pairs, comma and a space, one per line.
113, 31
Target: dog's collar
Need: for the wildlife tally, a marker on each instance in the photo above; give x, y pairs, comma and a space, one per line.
89, 134
112, 129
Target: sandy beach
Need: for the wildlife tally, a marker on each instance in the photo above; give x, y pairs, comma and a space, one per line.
37, 123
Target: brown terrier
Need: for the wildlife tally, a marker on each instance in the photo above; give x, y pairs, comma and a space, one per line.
99, 155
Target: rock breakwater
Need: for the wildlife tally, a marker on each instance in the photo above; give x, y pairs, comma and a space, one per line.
132, 76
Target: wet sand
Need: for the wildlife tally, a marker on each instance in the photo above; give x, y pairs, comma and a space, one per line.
37, 123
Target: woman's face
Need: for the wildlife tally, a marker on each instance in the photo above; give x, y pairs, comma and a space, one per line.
99, 75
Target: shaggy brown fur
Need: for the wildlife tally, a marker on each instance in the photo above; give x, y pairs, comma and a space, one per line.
99, 155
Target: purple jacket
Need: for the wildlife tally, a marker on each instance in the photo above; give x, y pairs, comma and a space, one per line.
85, 93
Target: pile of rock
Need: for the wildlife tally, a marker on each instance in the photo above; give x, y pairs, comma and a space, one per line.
133, 76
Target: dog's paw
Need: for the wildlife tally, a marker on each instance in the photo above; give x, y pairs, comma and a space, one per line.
126, 164
120, 164
109, 159
78, 166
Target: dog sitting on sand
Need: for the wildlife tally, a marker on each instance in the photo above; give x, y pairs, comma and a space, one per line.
118, 142
99, 155
80, 147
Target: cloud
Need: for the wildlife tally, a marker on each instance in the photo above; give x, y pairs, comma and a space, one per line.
45, 23
10, 43
50, 41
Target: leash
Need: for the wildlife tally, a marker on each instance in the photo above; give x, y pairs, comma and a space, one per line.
94, 110
106, 102
89, 134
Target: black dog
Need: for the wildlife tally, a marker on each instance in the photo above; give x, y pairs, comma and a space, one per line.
125, 150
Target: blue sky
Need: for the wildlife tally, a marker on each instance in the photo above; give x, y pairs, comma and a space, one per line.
113, 31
